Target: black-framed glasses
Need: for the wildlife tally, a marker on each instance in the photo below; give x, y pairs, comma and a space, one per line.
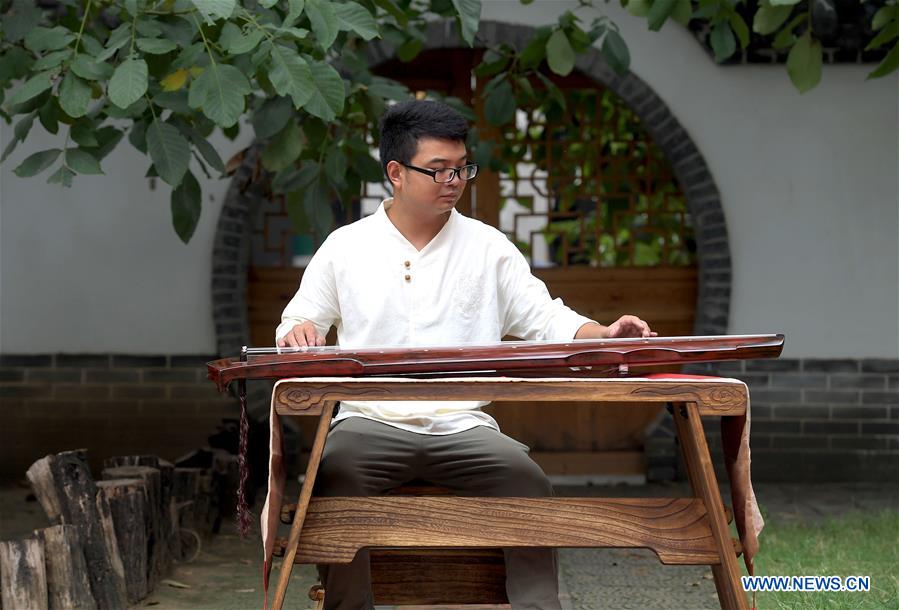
466, 172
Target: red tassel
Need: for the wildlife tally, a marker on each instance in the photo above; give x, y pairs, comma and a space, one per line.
243, 511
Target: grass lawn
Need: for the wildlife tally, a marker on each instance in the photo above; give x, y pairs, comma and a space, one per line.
857, 544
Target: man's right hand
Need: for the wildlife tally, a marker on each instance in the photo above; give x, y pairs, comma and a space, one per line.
302, 335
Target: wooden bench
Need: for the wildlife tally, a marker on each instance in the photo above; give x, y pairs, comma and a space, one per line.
681, 531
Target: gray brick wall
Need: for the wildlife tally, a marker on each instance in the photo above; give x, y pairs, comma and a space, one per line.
110, 404
813, 420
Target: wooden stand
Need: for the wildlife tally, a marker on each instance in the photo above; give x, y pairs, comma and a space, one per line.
681, 531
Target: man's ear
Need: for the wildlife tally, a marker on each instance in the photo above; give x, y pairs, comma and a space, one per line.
395, 173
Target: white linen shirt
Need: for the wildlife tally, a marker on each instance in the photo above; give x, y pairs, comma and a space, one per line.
469, 284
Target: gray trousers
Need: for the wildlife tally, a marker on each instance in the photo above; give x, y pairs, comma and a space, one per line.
367, 458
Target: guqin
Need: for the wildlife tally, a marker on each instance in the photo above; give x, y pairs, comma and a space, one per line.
602, 357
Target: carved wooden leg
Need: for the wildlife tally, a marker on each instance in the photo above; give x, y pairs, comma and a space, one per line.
705, 486
318, 446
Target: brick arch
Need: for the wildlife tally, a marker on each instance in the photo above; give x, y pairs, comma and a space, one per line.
231, 245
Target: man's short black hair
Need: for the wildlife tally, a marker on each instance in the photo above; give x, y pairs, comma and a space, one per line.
407, 122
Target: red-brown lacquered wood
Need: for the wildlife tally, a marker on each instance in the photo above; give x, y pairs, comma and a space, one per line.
502, 357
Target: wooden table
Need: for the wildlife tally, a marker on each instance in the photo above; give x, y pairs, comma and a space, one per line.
681, 531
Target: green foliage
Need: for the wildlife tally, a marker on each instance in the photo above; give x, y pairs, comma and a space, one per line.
804, 63
171, 72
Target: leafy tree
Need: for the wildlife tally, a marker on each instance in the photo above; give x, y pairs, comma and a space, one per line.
167, 73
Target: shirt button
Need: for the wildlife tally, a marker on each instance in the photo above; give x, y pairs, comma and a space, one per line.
408, 278
408, 264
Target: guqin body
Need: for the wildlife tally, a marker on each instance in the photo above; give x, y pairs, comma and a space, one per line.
604, 357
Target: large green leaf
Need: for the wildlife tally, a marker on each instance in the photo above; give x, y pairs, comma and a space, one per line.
328, 92
410, 49
128, 83
723, 42
335, 166
82, 162
638, 8
155, 46
317, 205
354, 17
290, 75
784, 2
769, 18
284, 149
888, 65
74, 96
108, 138
33, 87
169, 151
82, 133
804, 63
294, 10
886, 34
220, 92
23, 17
88, 68
323, 19
499, 108
19, 132
553, 92
614, 50
36, 163
271, 116
49, 115
740, 28
683, 11
237, 42
186, 207
212, 10
206, 149
62, 176
51, 60
116, 41
659, 12
388, 88
48, 39
149, 27
535, 50
470, 17
559, 54
15, 64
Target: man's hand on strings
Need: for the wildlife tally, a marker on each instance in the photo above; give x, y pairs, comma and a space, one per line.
302, 335
629, 326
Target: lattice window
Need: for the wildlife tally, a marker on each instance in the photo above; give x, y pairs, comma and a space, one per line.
587, 186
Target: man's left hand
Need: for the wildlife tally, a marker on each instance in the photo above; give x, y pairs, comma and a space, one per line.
629, 326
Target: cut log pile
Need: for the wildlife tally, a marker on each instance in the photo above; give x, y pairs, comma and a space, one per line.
111, 541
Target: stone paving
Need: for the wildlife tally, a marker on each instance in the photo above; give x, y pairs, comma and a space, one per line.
226, 576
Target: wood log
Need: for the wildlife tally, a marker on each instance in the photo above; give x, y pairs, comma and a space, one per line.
168, 531
186, 489
68, 585
68, 494
151, 461
204, 505
169, 515
225, 481
157, 546
112, 543
23, 579
128, 505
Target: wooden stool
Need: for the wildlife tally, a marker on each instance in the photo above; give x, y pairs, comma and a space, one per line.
681, 531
